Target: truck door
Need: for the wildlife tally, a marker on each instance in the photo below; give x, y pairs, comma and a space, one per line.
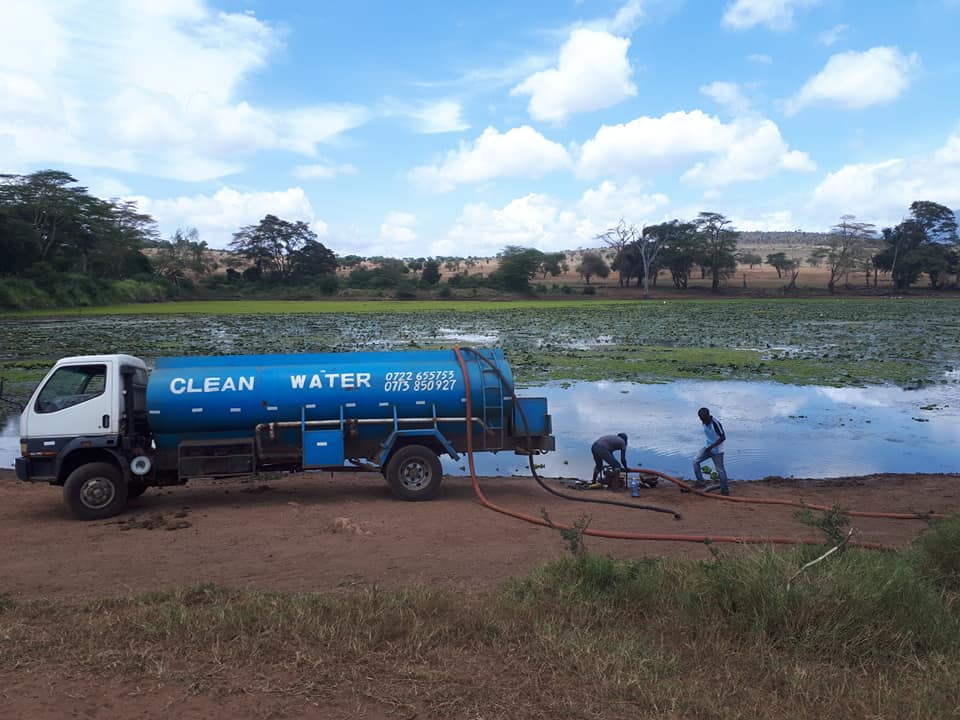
76, 400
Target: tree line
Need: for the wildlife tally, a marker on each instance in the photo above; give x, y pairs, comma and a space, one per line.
61, 246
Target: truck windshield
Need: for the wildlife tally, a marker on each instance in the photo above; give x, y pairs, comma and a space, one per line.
71, 386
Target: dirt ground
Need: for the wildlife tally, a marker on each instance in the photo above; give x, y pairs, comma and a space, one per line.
321, 532
324, 533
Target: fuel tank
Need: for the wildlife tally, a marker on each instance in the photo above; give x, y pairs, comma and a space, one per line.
228, 396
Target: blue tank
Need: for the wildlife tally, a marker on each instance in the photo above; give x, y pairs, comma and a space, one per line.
220, 397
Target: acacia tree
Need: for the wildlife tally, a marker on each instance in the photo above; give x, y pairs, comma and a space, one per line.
846, 245
617, 238
592, 264
651, 241
921, 243
272, 243
719, 245
778, 261
518, 265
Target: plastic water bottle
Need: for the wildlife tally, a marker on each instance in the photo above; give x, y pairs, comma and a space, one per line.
635, 487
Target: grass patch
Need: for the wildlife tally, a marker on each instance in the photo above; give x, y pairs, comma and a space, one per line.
860, 634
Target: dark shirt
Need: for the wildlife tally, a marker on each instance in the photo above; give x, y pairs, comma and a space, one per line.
611, 443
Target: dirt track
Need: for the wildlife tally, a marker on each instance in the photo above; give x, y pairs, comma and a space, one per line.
314, 533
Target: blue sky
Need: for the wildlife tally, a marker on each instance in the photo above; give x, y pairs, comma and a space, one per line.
428, 128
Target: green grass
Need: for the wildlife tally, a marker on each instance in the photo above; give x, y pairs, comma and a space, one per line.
859, 634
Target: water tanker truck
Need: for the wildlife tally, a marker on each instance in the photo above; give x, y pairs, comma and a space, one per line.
106, 428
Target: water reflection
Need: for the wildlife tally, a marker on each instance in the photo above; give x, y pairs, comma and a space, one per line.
804, 431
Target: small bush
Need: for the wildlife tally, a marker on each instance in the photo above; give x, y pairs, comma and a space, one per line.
589, 290
937, 553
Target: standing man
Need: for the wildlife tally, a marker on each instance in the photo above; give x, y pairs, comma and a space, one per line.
712, 451
603, 450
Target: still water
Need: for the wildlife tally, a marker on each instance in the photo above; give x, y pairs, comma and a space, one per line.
772, 429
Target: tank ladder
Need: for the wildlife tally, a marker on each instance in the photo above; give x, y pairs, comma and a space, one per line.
491, 389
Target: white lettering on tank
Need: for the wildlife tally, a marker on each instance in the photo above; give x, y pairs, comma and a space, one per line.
332, 378
211, 384
363, 380
178, 386
347, 381
228, 384
316, 382
246, 383
191, 388
297, 381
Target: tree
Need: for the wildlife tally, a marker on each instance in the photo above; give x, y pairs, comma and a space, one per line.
518, 265
272, 243
617, 238
431, 273
651, 241
314, 259
682, 253
750, 259
846, 245
592, 264
552, 264
779, 261
719, 245
921, 243
181, 256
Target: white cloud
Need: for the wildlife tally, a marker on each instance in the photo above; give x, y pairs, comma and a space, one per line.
323, 171
603, 206
397, 233
430, 117
540, 221
628, 17
749, 148
593, 72
856, 80
778, 220
728, 94
775, 14
831, 36
757, 152
519, 152
881, 192
216, 217
151, 88
534, 220
760, 59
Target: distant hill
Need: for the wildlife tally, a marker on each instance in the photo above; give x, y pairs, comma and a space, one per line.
791, 238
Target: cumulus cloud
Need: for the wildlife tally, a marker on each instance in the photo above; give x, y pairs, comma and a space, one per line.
775, 14
152, 87
593, 72
323, 171
397, 230
746, 149
881, 192
628, 17
856, 80
541, 221
520, 152
760, 59
757, 151
216, 217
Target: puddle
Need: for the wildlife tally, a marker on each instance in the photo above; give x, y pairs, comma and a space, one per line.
772, 429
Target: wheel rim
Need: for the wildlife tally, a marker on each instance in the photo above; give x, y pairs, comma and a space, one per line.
97, 493
415, 475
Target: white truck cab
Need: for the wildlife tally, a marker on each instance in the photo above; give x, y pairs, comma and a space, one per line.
82, 416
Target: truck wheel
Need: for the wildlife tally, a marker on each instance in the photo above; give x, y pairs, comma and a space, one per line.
414, 473
95, 491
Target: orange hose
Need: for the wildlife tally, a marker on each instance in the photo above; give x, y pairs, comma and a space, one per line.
614, 534
792, 503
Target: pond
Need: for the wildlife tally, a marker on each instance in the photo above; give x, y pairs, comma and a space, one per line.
772, 429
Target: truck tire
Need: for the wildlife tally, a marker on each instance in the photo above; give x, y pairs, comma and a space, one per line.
414, 473
95, 491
